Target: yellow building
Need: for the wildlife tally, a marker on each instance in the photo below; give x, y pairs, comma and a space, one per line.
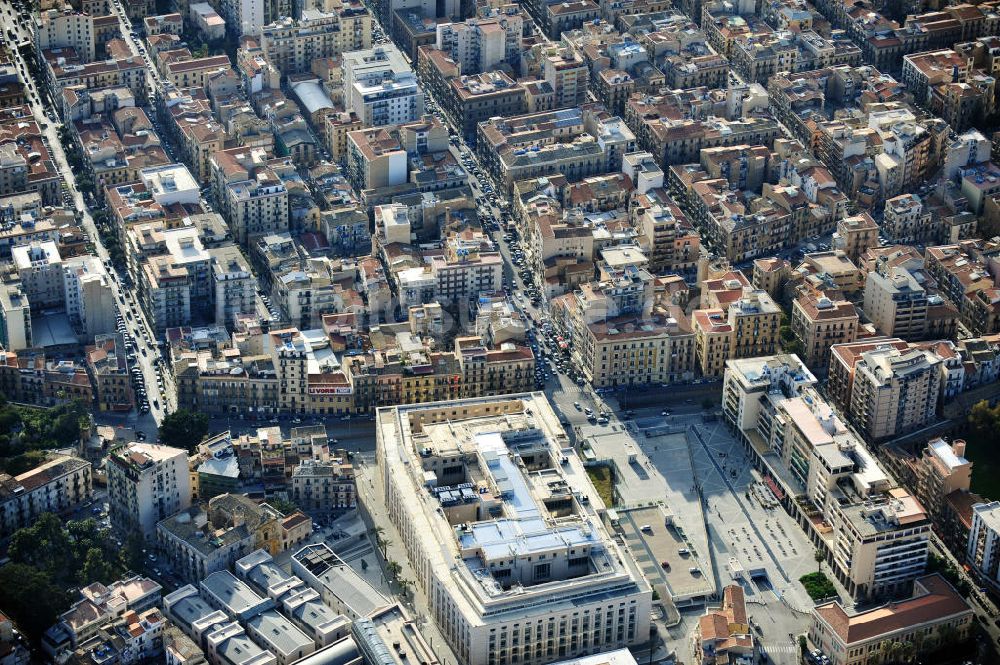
713, 340
819, 322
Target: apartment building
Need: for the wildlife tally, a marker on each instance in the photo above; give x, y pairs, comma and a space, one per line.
983, 548
30, 376
472, 99
379, 157
942, 478
895, 392
324, 488
744, 327
146, 484
611, 598
101, 607
506, 368
15, 318
680, 141
771, 274
907, 221
744, 166
249, 17
479, 44
58, 485
194, 72
199, 134
292, 45
896, 303
108, 370
963, 274
855, 235
666, 234
250, 195
89, 296
577, 142
933, 616
380, 88
40, 269
738, 228
904, 160
67, 28
235, 286
634, 351
819, 322
208, 537
20, 170
875, 536
165, 293
568, 76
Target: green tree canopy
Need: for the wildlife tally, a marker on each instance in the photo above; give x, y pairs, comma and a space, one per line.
31, 597
183, 429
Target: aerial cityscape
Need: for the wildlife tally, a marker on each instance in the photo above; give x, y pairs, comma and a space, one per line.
486, 332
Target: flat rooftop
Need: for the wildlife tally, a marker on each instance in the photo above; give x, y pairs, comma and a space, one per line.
504, 488
340, 579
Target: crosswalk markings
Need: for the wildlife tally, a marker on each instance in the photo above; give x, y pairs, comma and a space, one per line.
782, 647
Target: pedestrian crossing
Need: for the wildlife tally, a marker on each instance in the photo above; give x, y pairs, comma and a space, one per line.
778, 647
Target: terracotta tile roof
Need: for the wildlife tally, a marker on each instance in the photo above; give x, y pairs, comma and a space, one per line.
935, 600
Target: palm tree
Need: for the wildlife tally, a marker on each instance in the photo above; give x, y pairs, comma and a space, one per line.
380, 541
393, 568
819, 557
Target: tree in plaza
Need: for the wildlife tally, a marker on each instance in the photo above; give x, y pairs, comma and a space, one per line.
819, 557
394, 568
183, 429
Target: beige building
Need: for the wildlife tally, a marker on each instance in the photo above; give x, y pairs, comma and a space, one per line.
819, 321
15, 318
146, 483
292, 45
744, 327
895, 391
58, 485
324, 487
194, 73
66, 29
40, 270
336, 128
430, 452
855, 235
874, 536
568, 75
210, 537
713, 340
628, 351
723, 634
934, 616
896, 303
251, 196
943, 476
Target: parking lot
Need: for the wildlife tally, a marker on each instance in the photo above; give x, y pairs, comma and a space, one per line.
665, 556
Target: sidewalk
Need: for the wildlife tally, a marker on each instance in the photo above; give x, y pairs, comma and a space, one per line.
370, 503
